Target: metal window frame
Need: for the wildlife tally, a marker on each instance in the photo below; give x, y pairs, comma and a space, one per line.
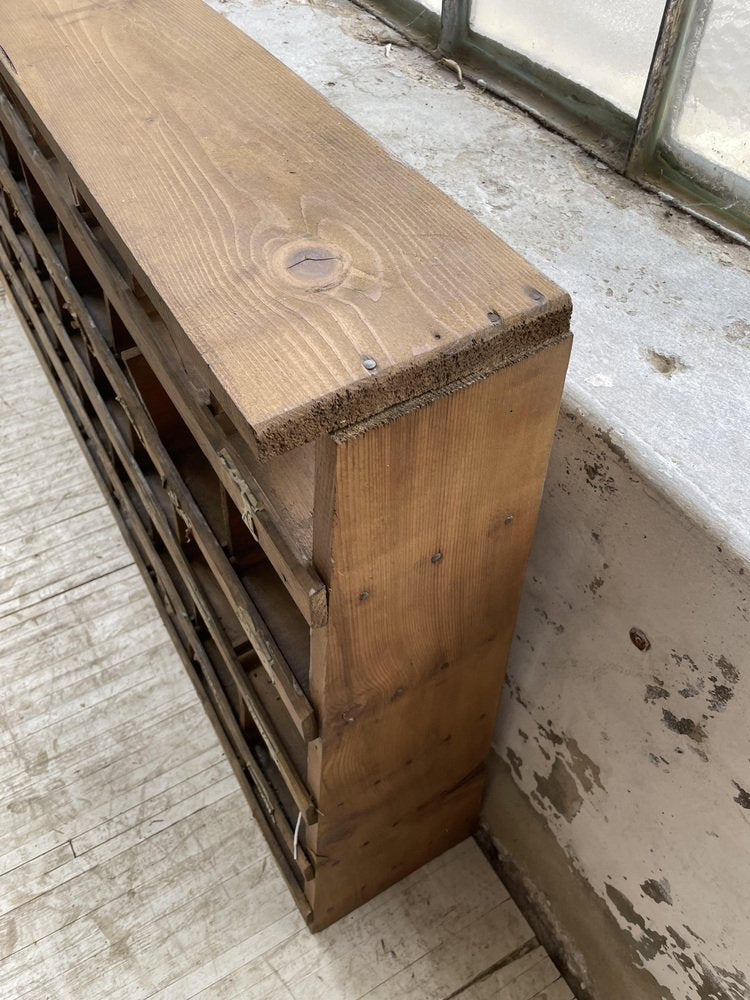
642, 148
656, 160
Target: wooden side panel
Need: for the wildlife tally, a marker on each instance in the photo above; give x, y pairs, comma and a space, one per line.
423, 543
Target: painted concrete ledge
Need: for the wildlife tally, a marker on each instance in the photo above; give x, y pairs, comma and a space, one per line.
621, 808
620, 796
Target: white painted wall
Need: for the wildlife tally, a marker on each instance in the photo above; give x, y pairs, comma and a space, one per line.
639, 760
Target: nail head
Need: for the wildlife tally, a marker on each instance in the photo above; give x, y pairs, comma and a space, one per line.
369, 363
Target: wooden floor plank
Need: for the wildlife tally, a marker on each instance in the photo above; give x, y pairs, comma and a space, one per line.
79, 606
44, 572
129, 828
233, 968
531, 977
254, 981
392, 932
460, 957
214, 834
125, 771
78, 688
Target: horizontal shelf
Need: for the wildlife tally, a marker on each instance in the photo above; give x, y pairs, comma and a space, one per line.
288, 481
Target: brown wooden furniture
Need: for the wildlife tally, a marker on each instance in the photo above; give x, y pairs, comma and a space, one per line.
321, 397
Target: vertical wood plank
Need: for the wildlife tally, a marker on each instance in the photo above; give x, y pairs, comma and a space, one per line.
423, 546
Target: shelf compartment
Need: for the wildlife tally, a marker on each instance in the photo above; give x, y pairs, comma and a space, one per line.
281, 521
61, 339
260, 773
295, 698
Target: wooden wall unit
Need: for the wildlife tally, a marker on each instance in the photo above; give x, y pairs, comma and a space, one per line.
320, 396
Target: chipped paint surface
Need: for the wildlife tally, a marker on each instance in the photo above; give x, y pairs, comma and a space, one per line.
625, 717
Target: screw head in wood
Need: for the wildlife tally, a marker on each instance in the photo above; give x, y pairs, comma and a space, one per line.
437, 556
509, 519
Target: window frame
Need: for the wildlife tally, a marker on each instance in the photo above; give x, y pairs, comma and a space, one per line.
641, 147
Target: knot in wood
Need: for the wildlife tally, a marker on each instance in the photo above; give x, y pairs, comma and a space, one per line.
314, 266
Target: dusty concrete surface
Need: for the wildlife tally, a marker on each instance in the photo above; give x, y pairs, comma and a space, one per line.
624, 721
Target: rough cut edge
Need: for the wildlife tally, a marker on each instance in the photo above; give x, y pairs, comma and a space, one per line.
426, 399
379, 398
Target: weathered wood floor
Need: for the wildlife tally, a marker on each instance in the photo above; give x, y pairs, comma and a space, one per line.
130, 866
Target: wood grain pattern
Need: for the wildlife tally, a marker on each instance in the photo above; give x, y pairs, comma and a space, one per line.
422, 531
274, 236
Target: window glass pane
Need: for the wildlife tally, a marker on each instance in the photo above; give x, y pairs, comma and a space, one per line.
432, 5
602, 45
715, 118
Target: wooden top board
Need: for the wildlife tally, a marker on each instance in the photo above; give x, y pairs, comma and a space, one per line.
280, 240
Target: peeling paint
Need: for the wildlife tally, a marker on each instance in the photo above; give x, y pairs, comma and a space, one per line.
678, 939
555, 625
597, 476
653, 693
728, 670
658, 890
680, 658
515, 762
665, 364
711, 982
650, 942
560, 790
550, 734
685, 727
689, 691
714, 983
720, 697
583, 767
